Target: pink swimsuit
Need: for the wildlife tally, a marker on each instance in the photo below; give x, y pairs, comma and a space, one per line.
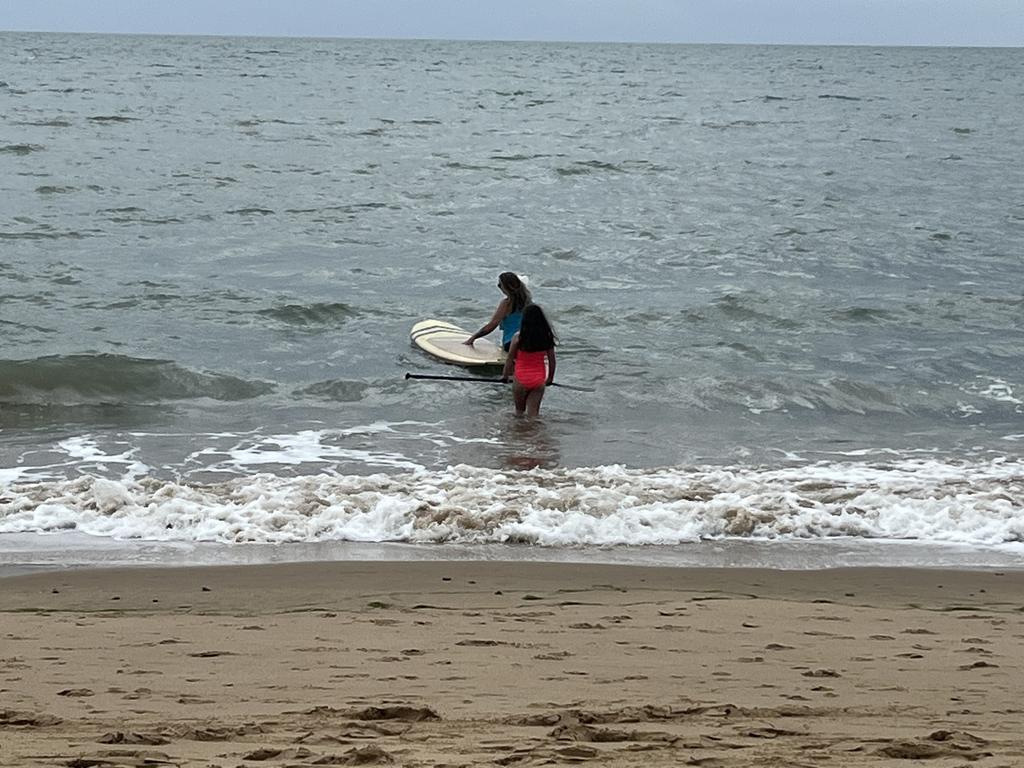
531, 368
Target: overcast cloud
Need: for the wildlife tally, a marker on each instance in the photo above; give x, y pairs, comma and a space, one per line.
859, 22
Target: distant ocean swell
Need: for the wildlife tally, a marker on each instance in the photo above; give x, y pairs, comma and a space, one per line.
972, 503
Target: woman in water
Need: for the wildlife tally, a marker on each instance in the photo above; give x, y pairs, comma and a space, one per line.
509, 313
531, 348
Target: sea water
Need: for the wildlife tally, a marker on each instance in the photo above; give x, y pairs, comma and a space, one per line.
791, 276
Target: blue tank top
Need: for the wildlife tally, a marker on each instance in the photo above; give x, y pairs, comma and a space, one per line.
510, 326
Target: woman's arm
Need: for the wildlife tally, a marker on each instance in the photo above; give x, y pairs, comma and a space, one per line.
499, 315
510, 361
551, 367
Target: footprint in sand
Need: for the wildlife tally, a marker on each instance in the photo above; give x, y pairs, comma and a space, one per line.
979, 665
820, 673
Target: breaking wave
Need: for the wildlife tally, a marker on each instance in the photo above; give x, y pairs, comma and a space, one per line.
977, 504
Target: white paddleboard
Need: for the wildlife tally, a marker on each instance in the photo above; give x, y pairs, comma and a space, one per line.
445, 342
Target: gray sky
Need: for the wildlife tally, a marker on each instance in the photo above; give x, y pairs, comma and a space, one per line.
868, 22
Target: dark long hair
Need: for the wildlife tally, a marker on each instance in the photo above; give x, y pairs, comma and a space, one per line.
518, 294
535, 334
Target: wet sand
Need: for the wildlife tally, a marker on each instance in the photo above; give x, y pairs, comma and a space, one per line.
474, 663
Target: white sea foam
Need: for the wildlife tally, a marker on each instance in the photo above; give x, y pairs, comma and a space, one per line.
995, 389
977, 503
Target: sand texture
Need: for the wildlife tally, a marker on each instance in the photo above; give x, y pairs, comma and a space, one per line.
512, 664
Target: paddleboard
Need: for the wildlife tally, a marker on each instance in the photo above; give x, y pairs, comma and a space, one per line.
445, 342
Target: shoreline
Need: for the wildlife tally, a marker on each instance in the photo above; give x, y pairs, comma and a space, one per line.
32, 553
511, 663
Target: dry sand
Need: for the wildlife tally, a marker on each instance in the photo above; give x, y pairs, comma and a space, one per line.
521, 664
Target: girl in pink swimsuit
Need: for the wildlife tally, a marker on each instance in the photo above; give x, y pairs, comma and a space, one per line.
532, 357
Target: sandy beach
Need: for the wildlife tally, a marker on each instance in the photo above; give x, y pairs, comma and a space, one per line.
431, 664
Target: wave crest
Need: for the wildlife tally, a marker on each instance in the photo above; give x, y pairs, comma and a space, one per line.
104, 378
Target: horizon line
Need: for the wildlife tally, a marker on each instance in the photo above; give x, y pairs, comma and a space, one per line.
561, 41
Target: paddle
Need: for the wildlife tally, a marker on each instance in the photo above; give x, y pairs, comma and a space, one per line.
440, 377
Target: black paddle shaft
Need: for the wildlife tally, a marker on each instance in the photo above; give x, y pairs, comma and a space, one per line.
482, 380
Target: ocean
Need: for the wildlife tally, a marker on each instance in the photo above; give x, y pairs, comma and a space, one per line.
790, 275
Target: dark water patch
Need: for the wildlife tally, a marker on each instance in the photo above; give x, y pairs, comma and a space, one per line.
340, 390
517, 158
940, 236
255, 121
70, 235
107, 306
741, 308
580, 315
331, 314
584, 167
1012, 302
56, 123
839, 97
640, 166
125, 215
864, 315
111, 119
115, 379
352, 208
426, 122
561, 254
455, 165
21, 149
962, 131
646, 318
10, 324
734, 124
251, 212
744, 349
874, 140
54, 190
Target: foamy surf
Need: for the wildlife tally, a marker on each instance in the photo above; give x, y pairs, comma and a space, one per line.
976, 504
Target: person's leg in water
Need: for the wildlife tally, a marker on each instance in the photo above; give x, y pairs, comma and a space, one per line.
519, 395
533, 398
